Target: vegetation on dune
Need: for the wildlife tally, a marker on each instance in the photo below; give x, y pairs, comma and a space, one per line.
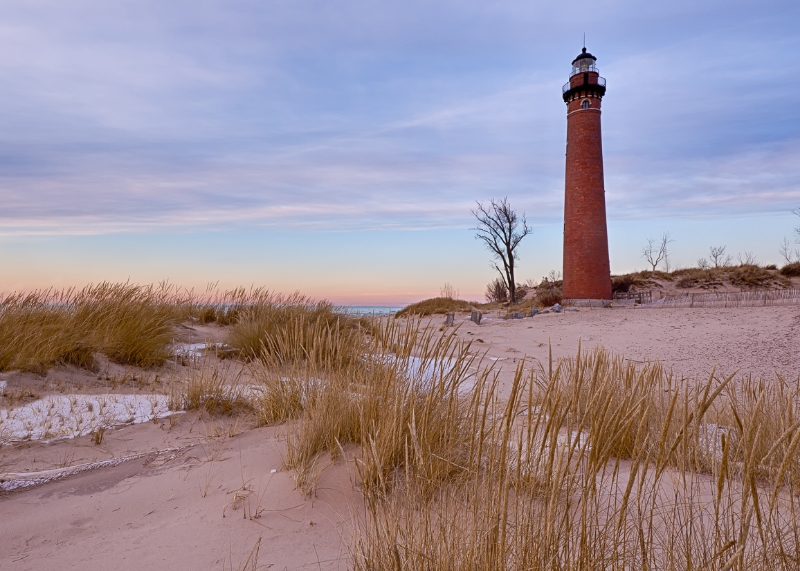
135, 325
266, 320
742, 276
548, 292
436, 305
597, 464
791, 270
131, 324
592, 462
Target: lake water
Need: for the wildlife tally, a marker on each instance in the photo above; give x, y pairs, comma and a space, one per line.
372, 309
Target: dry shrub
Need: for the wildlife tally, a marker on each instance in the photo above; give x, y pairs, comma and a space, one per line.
131, 324
594, 464
496, 290
791, 270
634, 282
548, 292
751, 276
705, 278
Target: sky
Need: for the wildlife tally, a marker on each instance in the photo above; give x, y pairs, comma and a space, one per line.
337, 148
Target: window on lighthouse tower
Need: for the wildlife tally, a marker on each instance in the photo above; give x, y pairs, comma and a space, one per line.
585, 104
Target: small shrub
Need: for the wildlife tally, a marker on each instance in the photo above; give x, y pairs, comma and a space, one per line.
751, 276
496, 291
548, 292
791, 270
448, 291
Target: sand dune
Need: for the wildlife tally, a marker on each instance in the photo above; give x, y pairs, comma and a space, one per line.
198, 492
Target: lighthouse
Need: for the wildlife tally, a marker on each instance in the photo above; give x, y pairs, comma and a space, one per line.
587, 273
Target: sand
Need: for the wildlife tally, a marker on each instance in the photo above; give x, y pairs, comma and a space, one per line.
757, 341
218, 488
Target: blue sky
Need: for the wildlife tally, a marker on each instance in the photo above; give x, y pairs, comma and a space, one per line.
337, 147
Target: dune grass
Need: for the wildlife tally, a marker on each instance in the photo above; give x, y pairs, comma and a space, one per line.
131, 324
595, 464
379, 400
591, 463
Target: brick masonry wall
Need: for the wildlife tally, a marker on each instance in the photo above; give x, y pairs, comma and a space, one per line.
587, 274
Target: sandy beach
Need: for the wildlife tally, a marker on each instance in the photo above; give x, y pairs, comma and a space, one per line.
193, 491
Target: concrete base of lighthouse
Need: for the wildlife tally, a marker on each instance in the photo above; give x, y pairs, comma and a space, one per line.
599, 303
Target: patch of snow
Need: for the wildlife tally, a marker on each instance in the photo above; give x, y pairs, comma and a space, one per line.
190, 349
3, 385
69, 416
710, 438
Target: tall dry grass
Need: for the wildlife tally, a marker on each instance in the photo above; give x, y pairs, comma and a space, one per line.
591, 463
131, 324
595, 464
391, 391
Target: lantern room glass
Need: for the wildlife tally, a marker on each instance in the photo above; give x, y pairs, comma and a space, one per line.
584, 65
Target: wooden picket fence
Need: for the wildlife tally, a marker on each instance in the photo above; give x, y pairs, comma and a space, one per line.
731, 299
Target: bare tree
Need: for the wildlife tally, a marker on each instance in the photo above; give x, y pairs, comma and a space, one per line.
656, 251
796, 212
501, 229
749, 259
785, 247
448, 291
703, 264
718, 258
785, 250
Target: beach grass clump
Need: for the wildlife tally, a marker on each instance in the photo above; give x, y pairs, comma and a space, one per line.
131, 324
400, 401
593, 463
215, 390
436, 305
283, 330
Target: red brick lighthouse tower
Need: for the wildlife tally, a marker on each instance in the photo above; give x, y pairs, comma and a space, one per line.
587, 275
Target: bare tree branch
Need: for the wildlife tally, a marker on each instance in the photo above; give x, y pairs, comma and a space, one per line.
796, 212
785, 250
501, 230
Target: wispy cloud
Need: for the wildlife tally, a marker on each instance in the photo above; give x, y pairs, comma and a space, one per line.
138, 116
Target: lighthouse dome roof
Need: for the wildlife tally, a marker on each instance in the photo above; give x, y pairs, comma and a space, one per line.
583, 55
